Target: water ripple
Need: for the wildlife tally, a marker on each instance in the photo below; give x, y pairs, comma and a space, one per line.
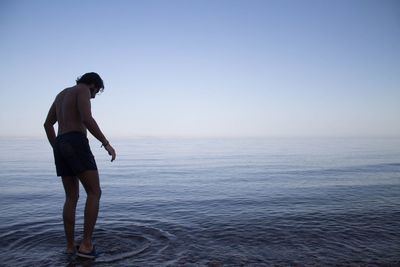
114, 241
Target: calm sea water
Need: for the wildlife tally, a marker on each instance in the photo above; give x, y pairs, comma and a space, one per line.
212, 202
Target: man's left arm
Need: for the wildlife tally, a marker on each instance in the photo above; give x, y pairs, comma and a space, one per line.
48, 124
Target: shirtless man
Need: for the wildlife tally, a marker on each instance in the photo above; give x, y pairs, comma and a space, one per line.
73, 157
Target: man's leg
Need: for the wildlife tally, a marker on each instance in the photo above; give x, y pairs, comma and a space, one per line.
71, 187
90, 181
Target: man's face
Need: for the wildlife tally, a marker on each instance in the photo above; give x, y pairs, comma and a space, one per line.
93, 90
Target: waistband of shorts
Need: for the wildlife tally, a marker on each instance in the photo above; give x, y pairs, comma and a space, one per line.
72, 133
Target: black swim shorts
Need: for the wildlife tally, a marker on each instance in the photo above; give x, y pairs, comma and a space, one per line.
72, 154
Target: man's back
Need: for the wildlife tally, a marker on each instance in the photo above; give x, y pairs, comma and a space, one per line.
68, 116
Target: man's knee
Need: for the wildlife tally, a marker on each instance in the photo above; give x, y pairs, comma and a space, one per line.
73, 198
95, 193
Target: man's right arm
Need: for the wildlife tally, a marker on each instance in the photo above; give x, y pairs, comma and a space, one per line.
84, 108
51, 119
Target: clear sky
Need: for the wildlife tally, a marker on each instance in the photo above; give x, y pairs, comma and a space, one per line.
206, 68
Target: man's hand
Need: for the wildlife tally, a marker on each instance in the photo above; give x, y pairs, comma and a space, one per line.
110, 151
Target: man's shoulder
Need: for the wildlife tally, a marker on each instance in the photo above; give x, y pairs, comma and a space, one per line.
83, 91
66, 91
76, 89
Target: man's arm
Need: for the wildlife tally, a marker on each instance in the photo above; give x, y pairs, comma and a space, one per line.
48, 124
85, 111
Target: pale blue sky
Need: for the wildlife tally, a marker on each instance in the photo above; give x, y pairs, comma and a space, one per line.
206, 68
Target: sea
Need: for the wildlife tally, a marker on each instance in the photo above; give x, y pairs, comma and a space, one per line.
211, 202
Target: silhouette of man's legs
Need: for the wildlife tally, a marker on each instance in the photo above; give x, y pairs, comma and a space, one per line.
71, 187
90, 181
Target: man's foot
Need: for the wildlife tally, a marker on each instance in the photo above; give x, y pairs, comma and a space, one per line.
85, 247
70, 250
89, 254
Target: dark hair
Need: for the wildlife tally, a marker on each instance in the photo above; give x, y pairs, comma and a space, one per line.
91, 78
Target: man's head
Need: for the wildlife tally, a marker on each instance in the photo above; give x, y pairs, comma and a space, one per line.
93, 80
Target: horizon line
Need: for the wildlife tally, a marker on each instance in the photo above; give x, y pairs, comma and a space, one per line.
288, 136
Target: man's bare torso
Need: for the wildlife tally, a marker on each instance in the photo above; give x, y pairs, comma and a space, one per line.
68, 116
72, 110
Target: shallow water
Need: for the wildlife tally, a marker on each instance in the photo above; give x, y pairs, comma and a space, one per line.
212, 202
